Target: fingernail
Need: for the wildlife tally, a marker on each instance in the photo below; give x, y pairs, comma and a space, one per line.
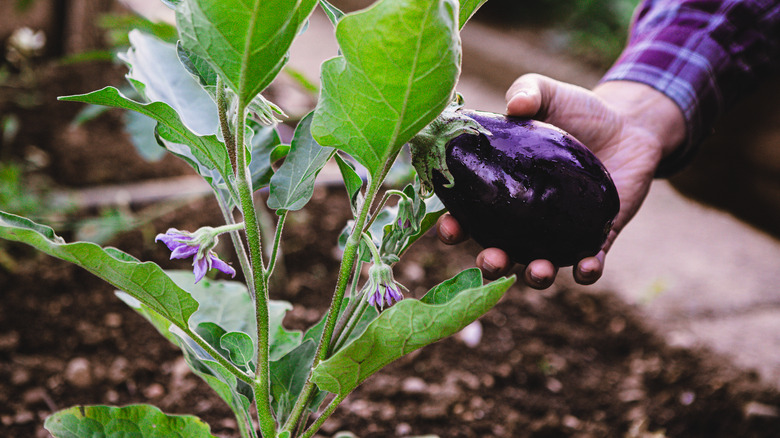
488, 267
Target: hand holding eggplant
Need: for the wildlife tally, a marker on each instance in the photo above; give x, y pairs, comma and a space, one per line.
629, 127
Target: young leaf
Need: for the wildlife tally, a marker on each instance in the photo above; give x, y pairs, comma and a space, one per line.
353, 183
246, 42
127, 421
333, 13
207, 150
400, 63
292, 185
146, 281
288, 375
265, 145
405, 327
240, 347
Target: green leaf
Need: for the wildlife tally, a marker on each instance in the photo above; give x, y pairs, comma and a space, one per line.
446, 290
467, 9
334, 14
240, 347
227, 304
136, 421
353, 183
292, 185
288, 375
157, 73
197, 67
146, 281
141, 130
400, 63
246, 42
266, 145
207, 150
405, 327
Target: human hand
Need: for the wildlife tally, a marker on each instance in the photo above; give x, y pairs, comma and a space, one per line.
628, 125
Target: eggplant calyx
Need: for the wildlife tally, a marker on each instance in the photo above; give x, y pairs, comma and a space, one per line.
429, 146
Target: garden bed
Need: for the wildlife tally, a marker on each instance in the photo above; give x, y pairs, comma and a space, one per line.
549, 364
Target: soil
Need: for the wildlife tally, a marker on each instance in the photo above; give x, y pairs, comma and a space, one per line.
558, 363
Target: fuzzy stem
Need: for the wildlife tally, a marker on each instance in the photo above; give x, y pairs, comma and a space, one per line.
224, 123
262, 381
346, 271
324, 416
238, 245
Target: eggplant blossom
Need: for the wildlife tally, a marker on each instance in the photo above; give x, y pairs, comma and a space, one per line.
198, 245
381, 288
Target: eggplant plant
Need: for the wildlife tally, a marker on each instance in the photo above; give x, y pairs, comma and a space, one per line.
396, 71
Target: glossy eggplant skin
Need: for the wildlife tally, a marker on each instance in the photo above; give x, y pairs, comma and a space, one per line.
530, 189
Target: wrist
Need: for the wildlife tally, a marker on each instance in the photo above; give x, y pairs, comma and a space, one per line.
646, 109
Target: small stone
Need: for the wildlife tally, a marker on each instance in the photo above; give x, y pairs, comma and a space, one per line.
554, 385
20, 376
414, 385
687, 398
112, 396
78, 373
155, 390
113, 320
402, 429
9, 341
119, 370
24, 417
757, 409
471, 335
571, 422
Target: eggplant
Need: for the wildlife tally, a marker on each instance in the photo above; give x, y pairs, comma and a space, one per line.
528, 188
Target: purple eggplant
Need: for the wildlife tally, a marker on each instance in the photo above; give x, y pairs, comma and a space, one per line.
527, 188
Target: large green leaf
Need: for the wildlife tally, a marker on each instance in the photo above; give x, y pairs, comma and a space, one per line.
136, 421
292, 185
246, 41
400, 63
158, 74
145, 281
405, 327
207, 150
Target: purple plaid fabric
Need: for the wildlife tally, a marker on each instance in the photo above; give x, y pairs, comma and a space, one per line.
703, 54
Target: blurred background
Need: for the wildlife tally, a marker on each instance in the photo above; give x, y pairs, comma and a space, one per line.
701, 261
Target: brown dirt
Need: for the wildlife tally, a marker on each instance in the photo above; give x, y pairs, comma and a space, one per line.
551, 364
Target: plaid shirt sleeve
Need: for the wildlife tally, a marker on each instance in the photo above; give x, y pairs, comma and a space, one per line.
703, 54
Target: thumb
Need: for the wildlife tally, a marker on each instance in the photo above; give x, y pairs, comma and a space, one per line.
529, 96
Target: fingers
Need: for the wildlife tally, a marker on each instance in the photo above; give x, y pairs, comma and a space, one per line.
540, 274
494, 263
529, 96
589, 269
449, 230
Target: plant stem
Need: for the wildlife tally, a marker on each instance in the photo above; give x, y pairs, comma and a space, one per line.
277, 240
324, 416
342, 337
262, 380
224, 123
238, 245
346, 271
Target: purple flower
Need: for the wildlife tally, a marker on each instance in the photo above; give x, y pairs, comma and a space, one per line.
381, 288
197, 245
384, 293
